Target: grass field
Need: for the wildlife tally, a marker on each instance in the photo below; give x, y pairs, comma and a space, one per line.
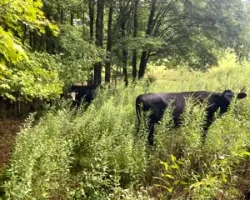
95, 153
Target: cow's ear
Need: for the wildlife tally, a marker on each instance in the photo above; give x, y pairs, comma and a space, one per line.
241, 95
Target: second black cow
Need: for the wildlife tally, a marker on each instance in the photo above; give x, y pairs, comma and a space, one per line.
157, 103
86, 93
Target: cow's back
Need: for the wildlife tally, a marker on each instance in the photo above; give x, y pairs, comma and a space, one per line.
157, 103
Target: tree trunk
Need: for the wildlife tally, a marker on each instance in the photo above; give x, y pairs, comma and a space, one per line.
134, 58
99, 40
97, 73
143, 64
91, 7
145, 54
30, 38
71, 18
125, 71
109, 45
91, 19
61, 16
124, 51
24, 33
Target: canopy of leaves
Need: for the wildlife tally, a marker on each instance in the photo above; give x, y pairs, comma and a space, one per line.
14, 14
35, 77
53, 7
194, 31
77, 56
22, 72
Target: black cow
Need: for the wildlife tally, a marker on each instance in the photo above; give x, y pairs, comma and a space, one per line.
81, 94
157, 103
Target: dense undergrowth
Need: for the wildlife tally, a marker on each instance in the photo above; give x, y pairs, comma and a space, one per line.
95, 153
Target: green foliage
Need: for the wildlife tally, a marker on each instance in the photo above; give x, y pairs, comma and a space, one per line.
94, 153
77, 56
105, 143
13, 15
21, 72
11, 48
99, 148
139, 43
213, 170
53, 7
36, 77
171, 178
193, 32
40, 164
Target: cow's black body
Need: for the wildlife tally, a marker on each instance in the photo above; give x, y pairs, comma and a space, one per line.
84, 93
157, 103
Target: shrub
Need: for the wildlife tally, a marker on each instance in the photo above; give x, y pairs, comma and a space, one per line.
39, 167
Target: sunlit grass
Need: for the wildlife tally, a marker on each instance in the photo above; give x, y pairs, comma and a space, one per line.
227, 75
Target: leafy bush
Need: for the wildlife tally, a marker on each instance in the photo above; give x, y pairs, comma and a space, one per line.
36, 77
40, 162
105, 143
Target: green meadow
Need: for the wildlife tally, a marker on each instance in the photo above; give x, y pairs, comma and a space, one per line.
95, 153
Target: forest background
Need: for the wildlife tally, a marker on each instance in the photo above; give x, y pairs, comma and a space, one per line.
46, 46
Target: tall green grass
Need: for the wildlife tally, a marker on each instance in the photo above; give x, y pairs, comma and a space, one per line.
40, 162
95, 153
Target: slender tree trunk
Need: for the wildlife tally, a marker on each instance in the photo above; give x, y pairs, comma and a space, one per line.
35, 40
97, 73
109, 45
24, 33
143, 64
30, 38
134, 64
83, 18
145, 54
91, 19
134, 58
91, 7
61, 16
99, 40
124, 54
123, 21
71, 18
125, 71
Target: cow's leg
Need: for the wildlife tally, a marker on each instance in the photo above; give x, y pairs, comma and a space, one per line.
138, 126
203, 135
207, 124
151, 133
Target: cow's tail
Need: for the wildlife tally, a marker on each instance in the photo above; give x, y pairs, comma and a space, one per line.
138, 112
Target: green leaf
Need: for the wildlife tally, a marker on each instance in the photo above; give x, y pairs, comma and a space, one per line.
173, 158
165, 165
168, 176
174, 166
246, 153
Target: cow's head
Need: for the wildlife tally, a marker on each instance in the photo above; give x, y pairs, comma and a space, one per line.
226, 97
73, 95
